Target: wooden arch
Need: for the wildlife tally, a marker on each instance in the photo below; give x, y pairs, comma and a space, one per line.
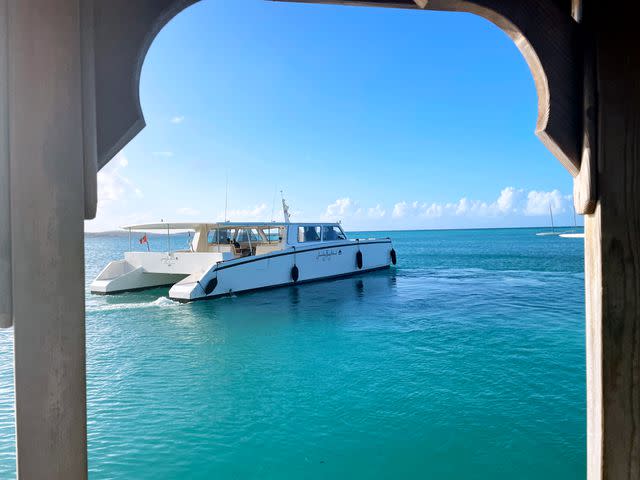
123, 32
552, 54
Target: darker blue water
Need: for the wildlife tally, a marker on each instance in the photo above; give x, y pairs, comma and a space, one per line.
466, 361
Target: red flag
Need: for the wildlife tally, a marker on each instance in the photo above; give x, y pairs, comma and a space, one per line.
144, 240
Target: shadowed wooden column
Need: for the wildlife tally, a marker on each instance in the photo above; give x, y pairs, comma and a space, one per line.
47, 211
612, 254
6, 314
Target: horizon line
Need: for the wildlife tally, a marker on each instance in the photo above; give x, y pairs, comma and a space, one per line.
104, 232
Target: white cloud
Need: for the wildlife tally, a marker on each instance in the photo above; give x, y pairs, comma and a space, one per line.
399, 210
340, 208
117, 194
118, 198
376, 212
510, 199
347, 208
538, 203
177, 119
462, 207
433, 211
512, 203
113, 185
413, 209
258, 213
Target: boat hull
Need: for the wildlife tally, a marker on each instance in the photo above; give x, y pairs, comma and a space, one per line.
278, 269
121, 276
283, 285
144, 270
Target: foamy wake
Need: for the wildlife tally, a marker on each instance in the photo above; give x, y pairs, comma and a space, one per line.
162, 302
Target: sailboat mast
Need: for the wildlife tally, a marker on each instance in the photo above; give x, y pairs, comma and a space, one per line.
553, 228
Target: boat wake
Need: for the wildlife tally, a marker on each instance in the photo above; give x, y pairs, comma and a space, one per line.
161, 302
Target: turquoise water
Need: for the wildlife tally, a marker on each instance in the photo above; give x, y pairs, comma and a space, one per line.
467, 361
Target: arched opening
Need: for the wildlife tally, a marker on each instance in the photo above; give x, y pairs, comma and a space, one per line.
296, 301
499, 287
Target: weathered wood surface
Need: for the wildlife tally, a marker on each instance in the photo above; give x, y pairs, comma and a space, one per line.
47, 209
6, 315
585, 193
89, 128
612, 255
593, 307
553, 54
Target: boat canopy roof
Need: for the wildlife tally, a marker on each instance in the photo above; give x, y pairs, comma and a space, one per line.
192, 226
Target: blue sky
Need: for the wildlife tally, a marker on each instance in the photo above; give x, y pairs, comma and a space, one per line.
381, 118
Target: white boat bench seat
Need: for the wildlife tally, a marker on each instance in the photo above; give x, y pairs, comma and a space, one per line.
219, 248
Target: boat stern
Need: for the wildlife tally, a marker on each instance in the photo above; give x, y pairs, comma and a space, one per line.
186, 290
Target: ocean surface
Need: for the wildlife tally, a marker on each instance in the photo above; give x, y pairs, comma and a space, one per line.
466, 361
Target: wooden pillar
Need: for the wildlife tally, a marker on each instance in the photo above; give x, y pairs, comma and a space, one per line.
6, 315
612, 254
47, 212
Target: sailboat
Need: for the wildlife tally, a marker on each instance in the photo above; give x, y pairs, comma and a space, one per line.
573, 233
553, 228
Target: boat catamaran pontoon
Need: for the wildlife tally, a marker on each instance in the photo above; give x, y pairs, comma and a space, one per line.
227, 258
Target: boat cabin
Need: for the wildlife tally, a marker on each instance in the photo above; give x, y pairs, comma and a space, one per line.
238, 240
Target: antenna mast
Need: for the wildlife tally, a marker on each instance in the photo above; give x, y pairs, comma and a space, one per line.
285, 209
226, 197
273, 202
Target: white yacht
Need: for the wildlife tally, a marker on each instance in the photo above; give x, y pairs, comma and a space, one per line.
227, 258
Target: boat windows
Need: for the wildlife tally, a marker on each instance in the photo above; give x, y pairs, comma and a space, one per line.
272, 235
226, 236
219, 236
308, 234
331, 232
248, 235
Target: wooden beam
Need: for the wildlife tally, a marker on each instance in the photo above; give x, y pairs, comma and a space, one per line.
593, 308
612, 254
47, 210
89, 118
585, 194
6, 315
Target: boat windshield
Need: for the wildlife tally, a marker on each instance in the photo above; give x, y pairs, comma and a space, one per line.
331, 232
241, 234
220, 235
247, 235
273, 235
